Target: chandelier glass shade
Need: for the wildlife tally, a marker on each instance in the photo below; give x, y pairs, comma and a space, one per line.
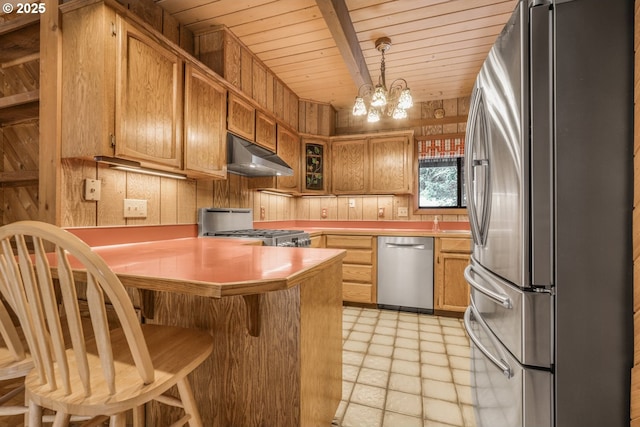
392, 101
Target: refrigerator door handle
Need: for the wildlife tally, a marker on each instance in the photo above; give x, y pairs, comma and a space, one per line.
501, 299
498, 362
479, 226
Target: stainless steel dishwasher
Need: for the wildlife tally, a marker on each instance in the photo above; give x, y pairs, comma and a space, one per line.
405, 273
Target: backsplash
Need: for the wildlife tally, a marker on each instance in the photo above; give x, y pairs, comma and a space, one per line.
274, 207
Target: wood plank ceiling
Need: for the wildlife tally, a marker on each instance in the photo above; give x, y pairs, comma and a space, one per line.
324, 49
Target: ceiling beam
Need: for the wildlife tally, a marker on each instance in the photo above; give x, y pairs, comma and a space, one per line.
336, 15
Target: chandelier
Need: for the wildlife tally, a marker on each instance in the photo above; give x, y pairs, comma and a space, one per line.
393, 101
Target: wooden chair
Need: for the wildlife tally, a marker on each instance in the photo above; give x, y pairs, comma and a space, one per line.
114, 370
15, 364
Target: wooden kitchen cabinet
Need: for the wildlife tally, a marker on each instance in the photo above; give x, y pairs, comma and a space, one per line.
349, 166
288, 149
266, 135
130, 94
315, 165
148, 99
359, 271
390, 164
372, 164
205, 104
451, 291
241, 117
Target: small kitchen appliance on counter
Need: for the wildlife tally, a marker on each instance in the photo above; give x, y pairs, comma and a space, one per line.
238, 222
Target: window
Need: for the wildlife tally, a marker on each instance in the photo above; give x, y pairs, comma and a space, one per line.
441, 172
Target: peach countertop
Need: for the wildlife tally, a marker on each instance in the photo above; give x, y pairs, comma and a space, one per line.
213, 267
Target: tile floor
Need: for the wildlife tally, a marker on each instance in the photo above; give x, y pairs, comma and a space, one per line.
404, 370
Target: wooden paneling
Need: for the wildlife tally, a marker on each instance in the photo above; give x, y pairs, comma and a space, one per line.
294, 41
296, 354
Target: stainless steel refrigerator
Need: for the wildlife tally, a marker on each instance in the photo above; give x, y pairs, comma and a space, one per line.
549, 169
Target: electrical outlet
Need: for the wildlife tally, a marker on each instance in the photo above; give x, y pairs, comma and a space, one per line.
135, 208
263, 213
403, 212
380, 212
323, 213
92, 189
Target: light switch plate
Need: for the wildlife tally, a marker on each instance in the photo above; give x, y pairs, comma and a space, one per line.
135, 208
92, 189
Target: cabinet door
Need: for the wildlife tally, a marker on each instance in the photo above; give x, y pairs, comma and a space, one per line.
349, 171
390, 165
148, 100
241, 117
266, 131
315, 166
289, 151
205, 111
452, 290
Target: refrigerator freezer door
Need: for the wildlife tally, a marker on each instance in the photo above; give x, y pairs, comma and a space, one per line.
504, 392
521, 319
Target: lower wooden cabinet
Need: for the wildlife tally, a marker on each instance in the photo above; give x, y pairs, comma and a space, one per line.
451, 291
358, 266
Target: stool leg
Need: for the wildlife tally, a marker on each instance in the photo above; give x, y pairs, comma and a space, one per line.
190, 407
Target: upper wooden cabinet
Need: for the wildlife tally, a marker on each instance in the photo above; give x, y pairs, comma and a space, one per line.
148, 99
205, 104
125, 94
390, 167
241, 117
266, 131
350, 166
316, 168
289, 150
371, 165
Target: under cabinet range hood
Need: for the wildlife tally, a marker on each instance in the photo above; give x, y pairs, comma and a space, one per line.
246, 158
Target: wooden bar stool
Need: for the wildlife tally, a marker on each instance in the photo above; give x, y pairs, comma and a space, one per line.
111, 372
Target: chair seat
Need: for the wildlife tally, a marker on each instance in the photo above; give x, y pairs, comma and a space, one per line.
10, 368
175, 352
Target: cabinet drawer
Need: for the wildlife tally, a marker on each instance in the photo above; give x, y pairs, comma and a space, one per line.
357, 292
455, 244
348, 242
358, 256
357, 273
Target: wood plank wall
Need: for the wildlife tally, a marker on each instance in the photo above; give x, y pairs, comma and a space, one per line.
635, 373
19, 145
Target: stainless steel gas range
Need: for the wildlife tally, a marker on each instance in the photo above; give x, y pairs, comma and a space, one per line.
238, 222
